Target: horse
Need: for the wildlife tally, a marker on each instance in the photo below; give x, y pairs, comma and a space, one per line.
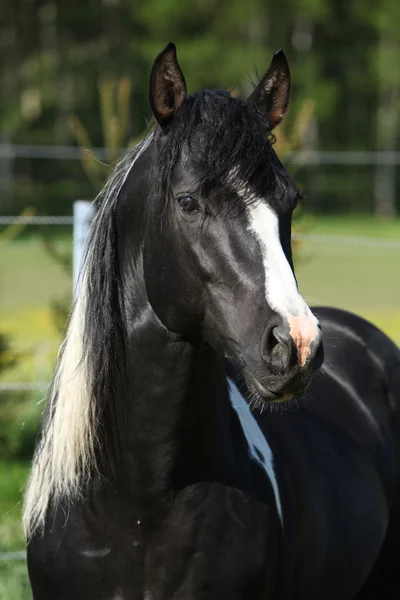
206, 434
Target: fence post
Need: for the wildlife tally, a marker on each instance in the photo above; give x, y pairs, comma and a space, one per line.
84, 212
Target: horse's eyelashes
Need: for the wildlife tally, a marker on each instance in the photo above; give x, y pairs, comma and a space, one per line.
189, 204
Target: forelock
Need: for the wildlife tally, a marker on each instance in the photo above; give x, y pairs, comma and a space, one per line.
220, 135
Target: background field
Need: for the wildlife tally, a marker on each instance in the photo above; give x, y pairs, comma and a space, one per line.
361, 278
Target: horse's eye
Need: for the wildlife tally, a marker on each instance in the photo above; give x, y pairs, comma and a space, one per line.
189, 204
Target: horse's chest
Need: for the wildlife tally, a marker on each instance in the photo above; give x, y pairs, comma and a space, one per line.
216, 542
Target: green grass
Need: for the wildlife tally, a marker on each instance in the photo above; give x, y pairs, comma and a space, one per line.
14, 584
13, 476
28, 275
13, 574
29, 281
12, 483
351, 225
362, 279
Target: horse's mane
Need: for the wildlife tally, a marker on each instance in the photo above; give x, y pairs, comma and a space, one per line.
88, 369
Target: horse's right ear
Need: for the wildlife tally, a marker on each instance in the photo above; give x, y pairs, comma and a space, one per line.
167, 86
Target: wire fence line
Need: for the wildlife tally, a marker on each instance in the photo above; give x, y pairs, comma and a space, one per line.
16, 555
36, 220
50, 152
345, 239
346, 157
301, 237
20, 386
304, 157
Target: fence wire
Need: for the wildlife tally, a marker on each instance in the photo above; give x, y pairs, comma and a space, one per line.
344, 239
20, 386
36, 220
298, 237
17, 555
304, 157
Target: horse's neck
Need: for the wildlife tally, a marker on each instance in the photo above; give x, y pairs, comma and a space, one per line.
171, 427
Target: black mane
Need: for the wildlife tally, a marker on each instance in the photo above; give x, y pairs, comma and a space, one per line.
104, 320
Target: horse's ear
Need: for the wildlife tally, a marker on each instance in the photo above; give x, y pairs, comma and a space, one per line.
271, 96
167, 86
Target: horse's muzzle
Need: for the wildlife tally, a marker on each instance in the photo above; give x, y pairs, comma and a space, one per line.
291, 353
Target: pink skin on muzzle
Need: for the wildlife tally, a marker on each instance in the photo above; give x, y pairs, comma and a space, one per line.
303, 331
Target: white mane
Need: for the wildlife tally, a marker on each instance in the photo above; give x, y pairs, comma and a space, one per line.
65, 454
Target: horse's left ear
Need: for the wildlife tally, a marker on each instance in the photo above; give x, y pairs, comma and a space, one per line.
167, 86
271, 96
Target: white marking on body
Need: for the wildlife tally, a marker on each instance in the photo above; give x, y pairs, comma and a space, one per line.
256, 440
96, 553
281, 290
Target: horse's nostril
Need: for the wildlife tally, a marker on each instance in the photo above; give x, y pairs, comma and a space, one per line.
275, 344
273, 339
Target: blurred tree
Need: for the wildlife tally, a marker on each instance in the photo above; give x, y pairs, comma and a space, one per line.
384, 18
115, 107
341, 52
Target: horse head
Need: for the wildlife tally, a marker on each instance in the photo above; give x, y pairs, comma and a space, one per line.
217, 242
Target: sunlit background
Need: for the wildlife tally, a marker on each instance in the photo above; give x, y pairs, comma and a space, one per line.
74, 84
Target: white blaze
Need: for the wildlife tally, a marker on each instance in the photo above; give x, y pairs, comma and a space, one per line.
280, 285
281, 290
